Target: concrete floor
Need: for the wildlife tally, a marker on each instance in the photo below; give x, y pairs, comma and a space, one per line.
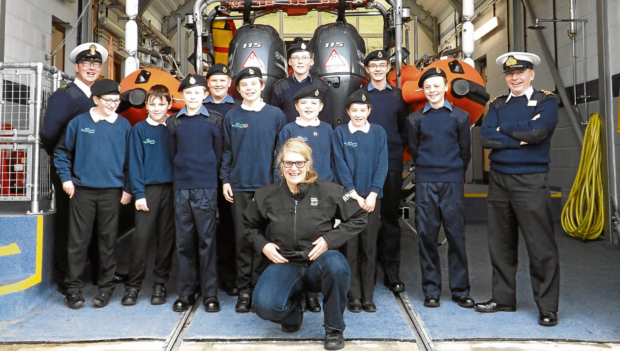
316, 346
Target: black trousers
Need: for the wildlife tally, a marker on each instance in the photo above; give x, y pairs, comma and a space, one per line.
522, 201
155, 224
225, 234
388, 242
61, 234
361, 253
250, 264
437, 204
194, 216
87, 207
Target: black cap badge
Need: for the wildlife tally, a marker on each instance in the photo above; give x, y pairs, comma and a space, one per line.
251, 71
363, 97
192, 80
437, 70
224, 70
379, 55
93, 49
316, 92
303, 46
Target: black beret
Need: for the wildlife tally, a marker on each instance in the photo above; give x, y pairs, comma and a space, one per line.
218, 68
250, 72
193, 80
309, 92
431, 72
298, 46
360, 96
377, 55
513, 64
105, 87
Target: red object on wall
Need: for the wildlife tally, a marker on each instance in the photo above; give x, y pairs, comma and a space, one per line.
12, 168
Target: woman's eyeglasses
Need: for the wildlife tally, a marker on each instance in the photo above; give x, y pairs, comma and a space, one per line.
298, 164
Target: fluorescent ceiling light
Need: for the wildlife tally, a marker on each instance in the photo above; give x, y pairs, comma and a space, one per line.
486, 28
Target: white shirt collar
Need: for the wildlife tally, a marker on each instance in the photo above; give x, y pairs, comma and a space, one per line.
528, 93
83, 87
302, 122
152, 122
364, 129
110, 119
257, 109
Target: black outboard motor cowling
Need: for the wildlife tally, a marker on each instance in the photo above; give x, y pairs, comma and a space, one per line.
257, 45
339, 53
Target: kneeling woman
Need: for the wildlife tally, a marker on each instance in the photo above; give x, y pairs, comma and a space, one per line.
291, 222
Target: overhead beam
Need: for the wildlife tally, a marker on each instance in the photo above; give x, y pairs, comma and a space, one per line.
457, 5
170, 27
426, 21
143, 5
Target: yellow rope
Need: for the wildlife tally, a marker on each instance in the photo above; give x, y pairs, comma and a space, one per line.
582, 216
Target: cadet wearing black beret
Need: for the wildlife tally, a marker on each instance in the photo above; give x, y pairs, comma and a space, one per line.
431, 72
309, 92
194, 80
105, 87
377, 55
250, 72
358, 97
298, 46
218, 68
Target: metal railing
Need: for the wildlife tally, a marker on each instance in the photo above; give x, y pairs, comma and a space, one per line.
24, 166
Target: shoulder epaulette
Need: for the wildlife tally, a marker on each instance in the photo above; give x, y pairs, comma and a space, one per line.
64, 86
497, 97
546, 92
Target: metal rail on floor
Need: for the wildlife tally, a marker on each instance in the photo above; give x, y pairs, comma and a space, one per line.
422, 337
175, 338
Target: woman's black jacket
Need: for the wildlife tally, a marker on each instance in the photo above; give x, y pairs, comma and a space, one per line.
293, 222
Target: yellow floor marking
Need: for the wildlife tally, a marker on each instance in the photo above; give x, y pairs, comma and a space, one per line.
9, 250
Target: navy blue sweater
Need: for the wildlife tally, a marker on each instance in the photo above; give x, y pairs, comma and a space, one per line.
250, 140
439, 144
390, 111
196, 150
361, 159
66, 103
319, 139
228, 104
285, 89
149, 157
93, 154
516, 123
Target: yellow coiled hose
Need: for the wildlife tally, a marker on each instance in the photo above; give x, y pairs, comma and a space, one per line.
582, 216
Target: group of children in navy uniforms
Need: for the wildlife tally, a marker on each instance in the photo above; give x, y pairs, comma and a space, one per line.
214, 147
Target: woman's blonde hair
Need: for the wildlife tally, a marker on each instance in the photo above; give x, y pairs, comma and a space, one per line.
299, 147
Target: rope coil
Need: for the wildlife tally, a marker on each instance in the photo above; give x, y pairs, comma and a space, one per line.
582, 215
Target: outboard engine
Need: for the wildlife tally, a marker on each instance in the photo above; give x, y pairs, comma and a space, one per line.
257, 45
339, 53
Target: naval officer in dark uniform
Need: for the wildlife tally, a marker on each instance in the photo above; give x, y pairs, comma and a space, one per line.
66, 103
518, 130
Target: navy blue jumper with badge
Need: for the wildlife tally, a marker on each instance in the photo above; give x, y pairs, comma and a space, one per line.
319, 138
361, 164
250, 139
93, 155
439, 143
196, 149
150, 173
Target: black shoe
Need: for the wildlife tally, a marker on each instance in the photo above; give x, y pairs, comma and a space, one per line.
130, 297
464, 301
354, 306
212, 304
334, 340
491, 307
183, 303
120, 278
432, 301
313, 304
244, 303
293, 328
229, 287
394, 283
369, 306
75, 300
548, 319
158, 295
102, 299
